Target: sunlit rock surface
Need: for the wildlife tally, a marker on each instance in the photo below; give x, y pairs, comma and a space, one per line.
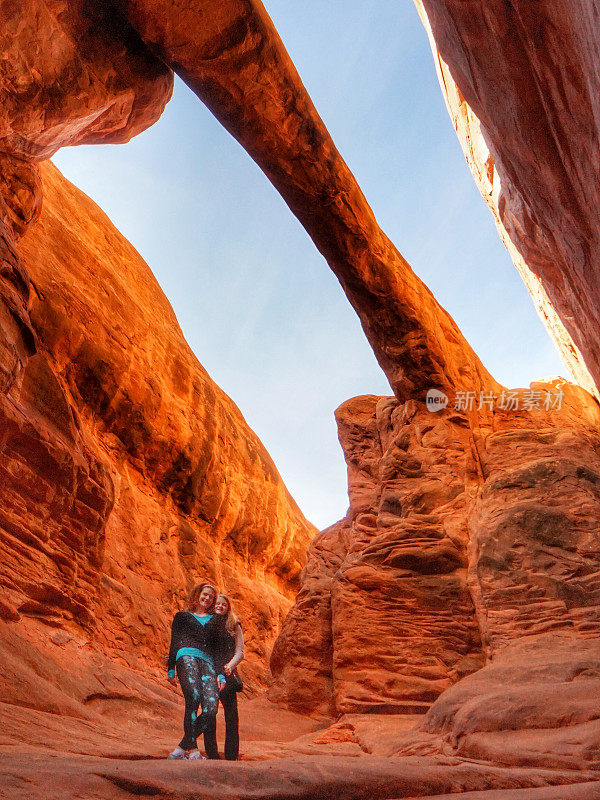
71, 72
74, 72
126, 473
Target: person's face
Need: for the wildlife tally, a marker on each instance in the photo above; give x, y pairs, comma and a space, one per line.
222, 605
205, 600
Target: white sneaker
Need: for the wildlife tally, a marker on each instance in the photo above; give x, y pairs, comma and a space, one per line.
195, 755
179, 752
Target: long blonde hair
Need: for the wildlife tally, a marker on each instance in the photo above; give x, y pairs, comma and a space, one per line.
231, 620
195, 594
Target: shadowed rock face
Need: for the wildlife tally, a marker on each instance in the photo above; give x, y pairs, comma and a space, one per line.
464, 544
74, 73
522, 85
401, 626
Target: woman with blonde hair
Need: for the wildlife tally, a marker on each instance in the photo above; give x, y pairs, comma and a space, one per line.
200, 647
233, 685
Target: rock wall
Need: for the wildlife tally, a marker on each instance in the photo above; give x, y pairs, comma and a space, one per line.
74, 73
466, 539
396, 618
126, 473
471, 537
71, 73
522, 83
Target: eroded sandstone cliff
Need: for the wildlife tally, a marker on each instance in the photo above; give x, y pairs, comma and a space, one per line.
126, 472
390, 581
70, 73
521, 82
465, 544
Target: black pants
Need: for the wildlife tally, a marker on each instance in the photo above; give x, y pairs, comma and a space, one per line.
228, 699
199, 686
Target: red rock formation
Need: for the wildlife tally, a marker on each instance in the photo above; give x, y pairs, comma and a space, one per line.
302, 658
534, 704
70, 73
303, 778
403, 624
230, 54
20, 197
126, 473
458, 531
74, 73
521, 82
403, 627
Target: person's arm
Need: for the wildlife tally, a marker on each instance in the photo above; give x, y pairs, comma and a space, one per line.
173, 647
239, 651
220, 646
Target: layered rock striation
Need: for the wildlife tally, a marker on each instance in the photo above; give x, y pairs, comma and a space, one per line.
71, 73
464, 545
126, 473
505, 511
395, 615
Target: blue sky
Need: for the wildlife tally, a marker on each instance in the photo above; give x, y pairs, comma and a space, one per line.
256, 301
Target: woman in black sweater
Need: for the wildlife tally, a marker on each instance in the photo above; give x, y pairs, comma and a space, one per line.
198, 653
228, 695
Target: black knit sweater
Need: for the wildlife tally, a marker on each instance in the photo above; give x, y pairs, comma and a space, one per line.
211, 638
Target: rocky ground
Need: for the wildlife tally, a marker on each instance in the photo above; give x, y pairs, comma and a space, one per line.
284, 755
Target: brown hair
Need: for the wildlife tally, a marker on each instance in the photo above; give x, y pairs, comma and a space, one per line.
231, 620
195, 594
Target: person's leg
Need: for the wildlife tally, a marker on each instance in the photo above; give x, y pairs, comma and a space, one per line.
210, 738
232, 733
190, 674
210, 698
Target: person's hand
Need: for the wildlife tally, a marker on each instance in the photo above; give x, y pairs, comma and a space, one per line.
172, 680
221, 684
227, 669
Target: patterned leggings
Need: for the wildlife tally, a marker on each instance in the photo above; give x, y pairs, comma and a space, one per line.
198, 681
